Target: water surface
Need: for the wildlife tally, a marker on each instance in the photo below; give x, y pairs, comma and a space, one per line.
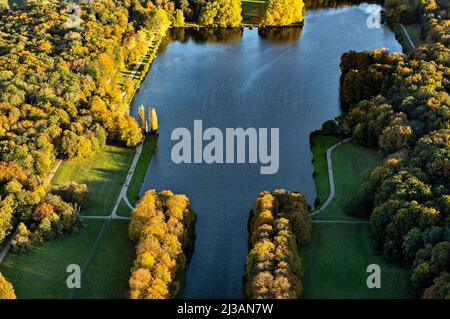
269, 79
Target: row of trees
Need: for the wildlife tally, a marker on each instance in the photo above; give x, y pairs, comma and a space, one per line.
163, 225
279, 223
400, 105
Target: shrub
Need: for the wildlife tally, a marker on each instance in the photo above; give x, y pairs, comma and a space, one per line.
72, 192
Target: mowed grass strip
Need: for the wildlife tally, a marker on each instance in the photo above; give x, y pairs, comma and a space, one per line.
252, 10
320, 144
336, 262
106, 275
41, 273
337, 258
139, 174
103, 174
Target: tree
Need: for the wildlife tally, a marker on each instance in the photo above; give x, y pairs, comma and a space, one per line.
4, 4
283, 12
440, 288
143, 119
6, 216
43, 211
157, 21
72, 192
153, 120
21, 242
221, 13
6, 289
395, 137
178, 19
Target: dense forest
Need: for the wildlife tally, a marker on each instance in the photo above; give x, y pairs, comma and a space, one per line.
400, 105
279, 223
59, 99
163, 225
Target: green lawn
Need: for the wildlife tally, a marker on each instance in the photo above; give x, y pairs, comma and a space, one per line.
336, 262
252, 10
349, 161
415, 33
105, 261
104, 175
108, 271
338, 256
41, 273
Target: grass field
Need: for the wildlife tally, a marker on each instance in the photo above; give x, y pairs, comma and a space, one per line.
107, 273
252, 9
349, 161
41, 273
336, 263
103, 174
338, 256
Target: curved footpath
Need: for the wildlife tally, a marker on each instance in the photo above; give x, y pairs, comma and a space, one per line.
330, 177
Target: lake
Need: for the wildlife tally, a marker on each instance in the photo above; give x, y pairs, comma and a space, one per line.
286, 79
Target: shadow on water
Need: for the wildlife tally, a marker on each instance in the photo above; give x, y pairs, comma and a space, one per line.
321, 4
280, 35
207, 35
229, 35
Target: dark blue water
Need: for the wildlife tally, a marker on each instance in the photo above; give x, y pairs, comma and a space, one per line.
287, 80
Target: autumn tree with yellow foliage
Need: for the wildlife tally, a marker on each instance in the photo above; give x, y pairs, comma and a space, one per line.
6, 289
283, 12
280, 221
222, 13
163, 226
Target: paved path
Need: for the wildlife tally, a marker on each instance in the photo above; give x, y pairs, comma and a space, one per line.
50, 176
330, 177
6, 248
411, 43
